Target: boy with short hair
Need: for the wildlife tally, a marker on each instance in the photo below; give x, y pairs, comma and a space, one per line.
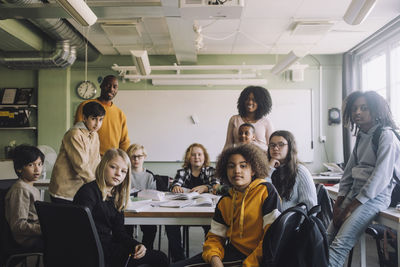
79, 155
20, 210
142, 179
247, 133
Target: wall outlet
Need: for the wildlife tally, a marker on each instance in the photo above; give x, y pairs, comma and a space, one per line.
322, 139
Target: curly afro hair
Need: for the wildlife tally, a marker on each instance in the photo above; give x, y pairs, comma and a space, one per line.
262, 97
255, 156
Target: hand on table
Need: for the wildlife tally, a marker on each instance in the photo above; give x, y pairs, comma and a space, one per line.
200, 189
177, 189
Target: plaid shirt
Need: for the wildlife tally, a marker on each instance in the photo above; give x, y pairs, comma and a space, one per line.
183, 176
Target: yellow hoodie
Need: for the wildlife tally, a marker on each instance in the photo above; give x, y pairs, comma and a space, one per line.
243, 218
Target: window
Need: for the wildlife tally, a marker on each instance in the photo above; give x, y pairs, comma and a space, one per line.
374, 74
380, 72
395, 82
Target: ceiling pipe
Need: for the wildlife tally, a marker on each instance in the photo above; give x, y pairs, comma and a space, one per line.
62, 57
60, 30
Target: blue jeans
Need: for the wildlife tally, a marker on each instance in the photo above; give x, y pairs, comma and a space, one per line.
342, 240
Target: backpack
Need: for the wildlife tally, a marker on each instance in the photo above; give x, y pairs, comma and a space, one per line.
396, 190
297, 239
326, 204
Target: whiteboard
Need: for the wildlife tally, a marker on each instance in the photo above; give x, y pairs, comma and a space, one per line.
161, 119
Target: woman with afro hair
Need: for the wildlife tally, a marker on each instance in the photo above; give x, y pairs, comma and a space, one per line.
253, 105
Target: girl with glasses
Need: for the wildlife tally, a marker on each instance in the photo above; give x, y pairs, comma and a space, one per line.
254, 104
292, 180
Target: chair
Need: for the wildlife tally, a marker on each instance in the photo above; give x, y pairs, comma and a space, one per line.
11, 253
70, 236
162, 183
376, 231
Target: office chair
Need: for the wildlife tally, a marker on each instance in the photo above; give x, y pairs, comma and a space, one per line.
70, 236
11, 253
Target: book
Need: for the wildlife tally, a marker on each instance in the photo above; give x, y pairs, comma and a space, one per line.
203, 200
175, 204
182, 196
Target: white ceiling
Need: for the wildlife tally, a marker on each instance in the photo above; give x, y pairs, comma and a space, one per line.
263, 27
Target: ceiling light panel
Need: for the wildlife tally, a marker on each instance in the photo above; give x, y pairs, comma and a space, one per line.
312, 28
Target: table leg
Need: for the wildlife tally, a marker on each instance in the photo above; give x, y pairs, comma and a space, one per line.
42, 194
398, 241
363, 262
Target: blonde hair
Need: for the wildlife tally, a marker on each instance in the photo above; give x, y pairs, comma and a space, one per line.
186, 158
132, 148
120, 192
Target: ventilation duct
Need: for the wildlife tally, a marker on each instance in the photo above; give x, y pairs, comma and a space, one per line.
62, 57
60, 30
23, 2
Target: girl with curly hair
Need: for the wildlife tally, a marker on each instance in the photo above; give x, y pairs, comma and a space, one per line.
292, 179
253, 105
244, 214
366, 185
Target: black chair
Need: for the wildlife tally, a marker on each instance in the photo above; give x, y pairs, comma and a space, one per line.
162, 184
11, 253
70, 236
377, 232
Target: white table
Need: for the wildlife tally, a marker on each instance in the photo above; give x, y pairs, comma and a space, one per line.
42, 185
187, 216
389, 218
171, 216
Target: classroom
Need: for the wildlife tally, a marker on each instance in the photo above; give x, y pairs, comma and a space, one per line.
182, 64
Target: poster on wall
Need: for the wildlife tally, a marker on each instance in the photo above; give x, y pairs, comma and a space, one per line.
9, 96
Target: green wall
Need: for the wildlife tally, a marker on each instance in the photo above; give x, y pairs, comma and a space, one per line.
58, 101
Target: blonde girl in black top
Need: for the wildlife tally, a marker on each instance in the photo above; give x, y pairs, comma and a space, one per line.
106, 197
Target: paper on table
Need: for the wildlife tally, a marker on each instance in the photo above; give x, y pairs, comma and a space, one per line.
152, 194
138, 204
333, 167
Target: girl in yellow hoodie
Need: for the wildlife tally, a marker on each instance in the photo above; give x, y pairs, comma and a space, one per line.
242, 216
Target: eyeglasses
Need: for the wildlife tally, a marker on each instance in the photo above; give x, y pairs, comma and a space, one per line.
278, 145
137, 157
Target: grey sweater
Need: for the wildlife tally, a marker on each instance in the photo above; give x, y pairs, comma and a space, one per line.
372, 175
143, 180
303, 189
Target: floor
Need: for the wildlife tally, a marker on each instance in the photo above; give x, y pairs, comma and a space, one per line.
196, 238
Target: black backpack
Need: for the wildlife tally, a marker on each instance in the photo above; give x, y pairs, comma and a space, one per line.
375, 142
296, 239
326, 204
